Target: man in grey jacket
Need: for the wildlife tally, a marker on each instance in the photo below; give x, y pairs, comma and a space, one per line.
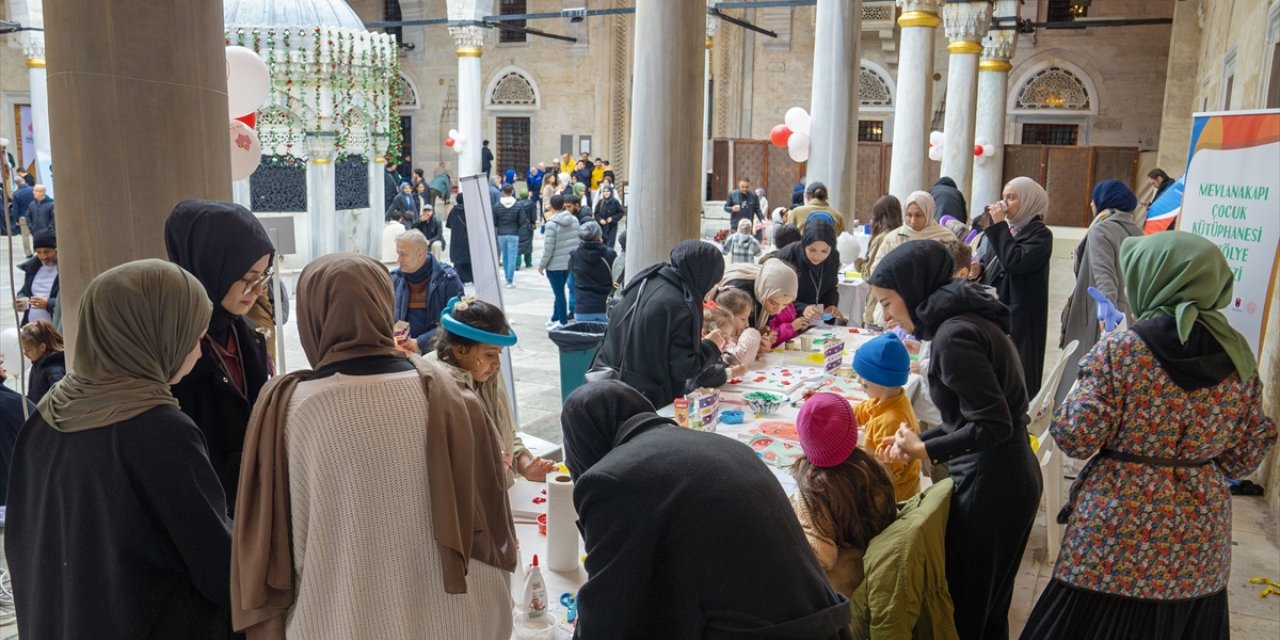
560, 238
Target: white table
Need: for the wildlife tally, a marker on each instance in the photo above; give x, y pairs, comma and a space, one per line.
853, 299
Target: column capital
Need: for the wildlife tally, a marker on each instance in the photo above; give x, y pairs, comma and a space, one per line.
997, 47
468, 40
919, 13
966, 22
321, 147
33, 49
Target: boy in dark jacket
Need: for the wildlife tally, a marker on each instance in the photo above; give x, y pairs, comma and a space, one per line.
592, 267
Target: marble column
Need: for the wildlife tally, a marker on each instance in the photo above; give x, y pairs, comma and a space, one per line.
665, 203
322, 215
965, 23
140, 107
38, 80
833, 155
470, 46
377, 191
993, 90
907, 169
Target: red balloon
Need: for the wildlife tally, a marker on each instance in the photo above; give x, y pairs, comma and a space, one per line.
448, 142
977, 150
250, 119
779, 135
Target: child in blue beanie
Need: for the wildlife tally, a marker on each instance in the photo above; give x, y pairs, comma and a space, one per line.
882, 366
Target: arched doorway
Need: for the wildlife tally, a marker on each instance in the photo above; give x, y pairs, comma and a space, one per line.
512, 99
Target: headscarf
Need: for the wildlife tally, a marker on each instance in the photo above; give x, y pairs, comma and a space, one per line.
776, 278
923, 200
345, 313
137, 324
217, 242
591, 418
823, 273
914, 270
1032, 200
1114, 194
699, 265
1185, 276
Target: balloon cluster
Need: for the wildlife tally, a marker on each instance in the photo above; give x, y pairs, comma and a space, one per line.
983, 150
936, 139
248, 83
793, 134
455, 140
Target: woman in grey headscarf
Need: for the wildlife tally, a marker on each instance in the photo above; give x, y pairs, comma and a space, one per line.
1017, 265
117, 525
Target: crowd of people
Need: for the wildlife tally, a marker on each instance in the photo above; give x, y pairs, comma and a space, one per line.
173, 485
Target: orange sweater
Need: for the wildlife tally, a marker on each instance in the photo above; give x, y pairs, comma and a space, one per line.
879, 419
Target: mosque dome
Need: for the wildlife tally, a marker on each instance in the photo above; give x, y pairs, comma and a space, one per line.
290, 13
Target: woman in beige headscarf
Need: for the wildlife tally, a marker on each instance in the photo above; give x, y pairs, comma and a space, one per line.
1017, 265
918, 223
773, 285
117, 525
372, 499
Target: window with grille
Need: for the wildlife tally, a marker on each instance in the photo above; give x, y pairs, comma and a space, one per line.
870, 131
391, 13
1050, 133
1067, 10
513, 7
513, 145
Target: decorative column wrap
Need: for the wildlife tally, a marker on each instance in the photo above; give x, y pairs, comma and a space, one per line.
919, 21
470, 46
993, 88
966, 23
321, 184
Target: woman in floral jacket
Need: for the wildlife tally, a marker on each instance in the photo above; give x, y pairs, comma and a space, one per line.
1172, 407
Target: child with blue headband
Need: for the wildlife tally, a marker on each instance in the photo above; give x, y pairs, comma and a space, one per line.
469, 345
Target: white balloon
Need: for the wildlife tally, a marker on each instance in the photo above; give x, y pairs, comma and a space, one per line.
458, 137
453, 133
935, 153
798, 146
457, 148
988, 150
248, 81
936, 138
797, 120
246, 150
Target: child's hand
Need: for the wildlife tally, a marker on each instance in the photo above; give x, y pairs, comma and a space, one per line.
812, 313
907, 444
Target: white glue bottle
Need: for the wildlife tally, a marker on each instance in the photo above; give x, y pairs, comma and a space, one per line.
535, 591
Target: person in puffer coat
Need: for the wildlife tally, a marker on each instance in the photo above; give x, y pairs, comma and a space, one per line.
559, 240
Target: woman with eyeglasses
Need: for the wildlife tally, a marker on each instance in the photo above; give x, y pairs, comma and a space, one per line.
227, 250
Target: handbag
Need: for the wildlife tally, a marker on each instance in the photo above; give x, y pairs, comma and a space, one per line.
611, 300
598, 372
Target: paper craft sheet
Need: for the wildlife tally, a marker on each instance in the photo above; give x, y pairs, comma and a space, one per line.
847, 387
779, 379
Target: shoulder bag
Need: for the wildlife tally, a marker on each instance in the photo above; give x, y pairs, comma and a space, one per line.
599, 372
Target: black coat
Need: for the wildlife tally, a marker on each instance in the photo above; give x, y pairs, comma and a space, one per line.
218, 408
118, 532
659, 346
948, 200
486, 160
976, 383
750, 208
459, 248
506, 220
1019, 270
820, 283
11, 420
528, 222
432, 229
30, 267
40, 216
676, 551
50, 369
592, 267
606, 209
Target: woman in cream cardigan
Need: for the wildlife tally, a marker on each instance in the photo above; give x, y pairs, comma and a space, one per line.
917, 224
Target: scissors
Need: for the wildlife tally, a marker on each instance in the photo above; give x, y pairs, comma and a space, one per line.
571, 604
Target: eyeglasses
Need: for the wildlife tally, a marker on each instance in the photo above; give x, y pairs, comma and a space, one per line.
254, 283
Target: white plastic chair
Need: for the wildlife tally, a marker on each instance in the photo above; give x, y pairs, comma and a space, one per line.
1040, 412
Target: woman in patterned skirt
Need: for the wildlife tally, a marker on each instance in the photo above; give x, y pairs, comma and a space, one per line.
1172, 408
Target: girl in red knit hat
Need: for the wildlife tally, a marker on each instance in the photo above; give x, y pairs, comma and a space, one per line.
844, 496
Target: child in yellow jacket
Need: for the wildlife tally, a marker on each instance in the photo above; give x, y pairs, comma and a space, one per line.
882, 366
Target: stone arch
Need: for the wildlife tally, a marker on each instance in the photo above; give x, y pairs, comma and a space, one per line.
512, 88
408, 94
876, 88
1054, 86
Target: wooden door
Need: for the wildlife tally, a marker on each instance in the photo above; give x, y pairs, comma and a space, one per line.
718, 185
513, 145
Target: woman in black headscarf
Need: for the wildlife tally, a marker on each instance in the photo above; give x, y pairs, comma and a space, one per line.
655, 332
459, 243
649, 512
817, 265
976, 383
225, 247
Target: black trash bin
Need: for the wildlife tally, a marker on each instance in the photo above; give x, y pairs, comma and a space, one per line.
578, 343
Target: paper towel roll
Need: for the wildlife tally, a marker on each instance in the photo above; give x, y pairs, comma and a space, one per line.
562, 524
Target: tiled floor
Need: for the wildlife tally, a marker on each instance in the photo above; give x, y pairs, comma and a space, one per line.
536, 363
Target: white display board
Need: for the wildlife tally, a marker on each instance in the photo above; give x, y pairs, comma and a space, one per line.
1232, 197
484, 262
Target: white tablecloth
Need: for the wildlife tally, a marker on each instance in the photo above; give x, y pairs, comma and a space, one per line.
853, 299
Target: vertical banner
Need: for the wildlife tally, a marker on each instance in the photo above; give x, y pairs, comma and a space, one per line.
27, 139
484, 262
1232, 197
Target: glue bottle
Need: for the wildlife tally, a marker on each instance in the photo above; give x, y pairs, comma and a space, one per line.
535, 591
